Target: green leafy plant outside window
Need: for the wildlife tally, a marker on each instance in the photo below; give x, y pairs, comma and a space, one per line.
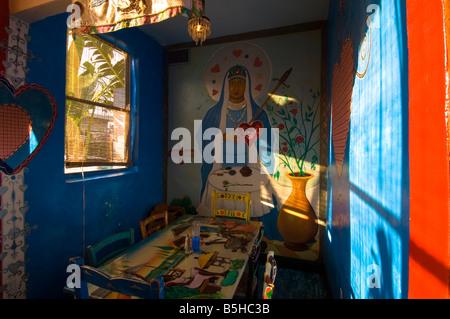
97, 132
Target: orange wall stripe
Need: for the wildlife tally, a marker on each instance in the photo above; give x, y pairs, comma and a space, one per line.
428, 146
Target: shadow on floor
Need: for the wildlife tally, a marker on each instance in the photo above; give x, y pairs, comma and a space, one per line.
297, 279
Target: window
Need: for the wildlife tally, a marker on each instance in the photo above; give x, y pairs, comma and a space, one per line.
98, 119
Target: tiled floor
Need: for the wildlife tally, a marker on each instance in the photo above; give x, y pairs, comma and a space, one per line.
297, 279
294, 284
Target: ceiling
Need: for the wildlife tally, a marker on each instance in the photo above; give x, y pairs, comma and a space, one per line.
228, 17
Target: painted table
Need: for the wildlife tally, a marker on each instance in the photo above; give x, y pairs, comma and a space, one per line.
212, 272
239, 180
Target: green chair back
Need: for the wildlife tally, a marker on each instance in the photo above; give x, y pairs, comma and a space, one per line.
109, 247
145, 289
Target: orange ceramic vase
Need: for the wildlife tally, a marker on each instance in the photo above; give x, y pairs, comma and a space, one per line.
297, 221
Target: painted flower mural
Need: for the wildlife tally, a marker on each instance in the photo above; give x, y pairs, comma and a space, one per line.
297, 120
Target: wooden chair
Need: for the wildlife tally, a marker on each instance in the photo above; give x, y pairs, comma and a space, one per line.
246, 198
146, 289
109, 247
174, 212
152, 224
249, 280
270, 274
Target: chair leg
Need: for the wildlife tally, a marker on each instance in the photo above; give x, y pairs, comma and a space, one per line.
249, 293
254, 291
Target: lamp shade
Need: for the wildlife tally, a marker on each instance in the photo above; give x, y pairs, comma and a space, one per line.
199, 28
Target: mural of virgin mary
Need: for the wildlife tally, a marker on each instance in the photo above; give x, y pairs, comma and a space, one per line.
239, 170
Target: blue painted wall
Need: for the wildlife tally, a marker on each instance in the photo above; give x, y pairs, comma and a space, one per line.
112, 203
368, 205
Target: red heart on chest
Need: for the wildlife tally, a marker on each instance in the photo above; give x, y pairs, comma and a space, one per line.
251, 131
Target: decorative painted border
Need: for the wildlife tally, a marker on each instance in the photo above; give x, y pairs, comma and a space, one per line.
13, 207
17, 53
14, 230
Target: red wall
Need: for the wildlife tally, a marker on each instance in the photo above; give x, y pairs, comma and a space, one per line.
428, 145
4, 22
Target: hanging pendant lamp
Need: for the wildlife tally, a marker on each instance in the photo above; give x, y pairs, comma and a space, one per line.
199, 26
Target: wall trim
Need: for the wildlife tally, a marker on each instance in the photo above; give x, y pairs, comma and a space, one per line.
302, 27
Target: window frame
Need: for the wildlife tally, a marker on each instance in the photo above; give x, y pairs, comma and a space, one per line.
71, 168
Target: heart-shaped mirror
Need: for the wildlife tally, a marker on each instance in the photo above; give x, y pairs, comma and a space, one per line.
27, 117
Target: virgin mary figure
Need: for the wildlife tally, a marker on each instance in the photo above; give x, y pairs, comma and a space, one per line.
239, 165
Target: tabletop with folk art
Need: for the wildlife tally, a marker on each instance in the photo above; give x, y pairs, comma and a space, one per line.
212, 272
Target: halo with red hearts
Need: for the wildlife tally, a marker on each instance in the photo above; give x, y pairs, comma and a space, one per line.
249, 55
